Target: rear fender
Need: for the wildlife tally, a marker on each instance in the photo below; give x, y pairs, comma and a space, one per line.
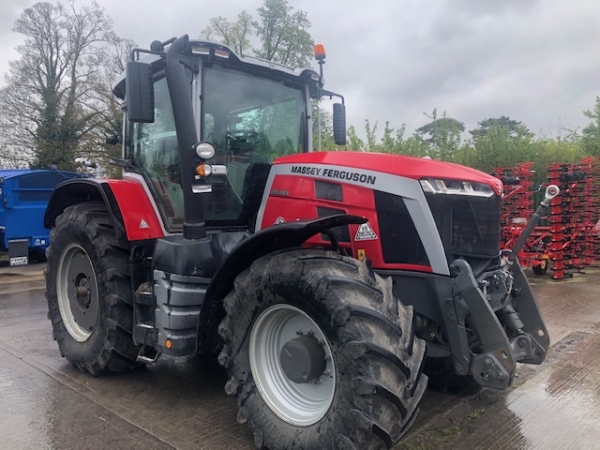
132, 213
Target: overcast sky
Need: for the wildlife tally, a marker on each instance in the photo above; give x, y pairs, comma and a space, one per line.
537, 61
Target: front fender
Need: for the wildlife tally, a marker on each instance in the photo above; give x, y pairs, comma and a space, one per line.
132, 213
268, 240
80, 190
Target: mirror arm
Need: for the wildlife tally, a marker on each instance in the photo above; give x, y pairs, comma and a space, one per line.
330, 94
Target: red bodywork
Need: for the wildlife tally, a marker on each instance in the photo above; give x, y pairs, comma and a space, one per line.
405, 166
139, 215
292, 196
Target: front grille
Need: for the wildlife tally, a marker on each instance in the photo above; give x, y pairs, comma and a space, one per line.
342, 233
329, 191
468, 226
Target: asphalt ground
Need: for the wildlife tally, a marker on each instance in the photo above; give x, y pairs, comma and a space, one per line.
179, 403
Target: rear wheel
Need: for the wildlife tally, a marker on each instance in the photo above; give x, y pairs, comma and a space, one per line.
319, 353
89, 293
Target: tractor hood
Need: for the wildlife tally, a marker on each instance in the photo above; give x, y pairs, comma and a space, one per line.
405, 166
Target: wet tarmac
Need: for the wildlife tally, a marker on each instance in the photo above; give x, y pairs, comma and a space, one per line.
180, 403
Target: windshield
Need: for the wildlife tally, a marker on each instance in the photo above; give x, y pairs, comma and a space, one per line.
250, 121
251, 118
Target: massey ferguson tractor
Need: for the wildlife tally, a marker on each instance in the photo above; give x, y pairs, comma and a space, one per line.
323, 280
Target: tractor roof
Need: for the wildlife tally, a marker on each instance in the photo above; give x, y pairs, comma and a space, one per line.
220, 52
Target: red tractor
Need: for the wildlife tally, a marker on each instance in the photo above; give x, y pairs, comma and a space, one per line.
324, 280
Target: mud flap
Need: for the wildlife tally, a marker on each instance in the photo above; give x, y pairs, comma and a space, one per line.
495, 366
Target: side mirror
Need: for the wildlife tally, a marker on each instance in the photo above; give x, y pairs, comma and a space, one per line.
112, 140
139, 92
339, 123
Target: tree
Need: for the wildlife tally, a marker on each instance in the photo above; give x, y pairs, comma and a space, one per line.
514, 127
499, 142
52, 99
591, 133
443, 135
283, 35
113, 58
233, 34
353, 141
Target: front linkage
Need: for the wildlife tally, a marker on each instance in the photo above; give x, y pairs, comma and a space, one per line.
509, 327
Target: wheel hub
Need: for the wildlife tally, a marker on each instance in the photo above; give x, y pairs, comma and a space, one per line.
303, 359
294, 370
82, 292
77, 291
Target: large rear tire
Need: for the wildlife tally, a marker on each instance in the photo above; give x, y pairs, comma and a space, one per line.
89, 292
362, 389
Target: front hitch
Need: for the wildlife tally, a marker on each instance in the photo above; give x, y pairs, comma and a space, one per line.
495, 366
515, 333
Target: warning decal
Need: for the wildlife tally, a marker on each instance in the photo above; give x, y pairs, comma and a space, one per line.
365, 233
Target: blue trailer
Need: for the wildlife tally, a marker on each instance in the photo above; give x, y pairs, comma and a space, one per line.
24, 195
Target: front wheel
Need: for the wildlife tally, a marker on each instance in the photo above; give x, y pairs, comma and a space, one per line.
319, 353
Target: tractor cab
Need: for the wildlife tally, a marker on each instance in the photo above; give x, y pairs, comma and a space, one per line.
246, 112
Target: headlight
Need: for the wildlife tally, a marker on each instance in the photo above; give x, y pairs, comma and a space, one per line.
205, 150
456, 187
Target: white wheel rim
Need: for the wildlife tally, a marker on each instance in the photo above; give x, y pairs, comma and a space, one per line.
300, 404
73, 259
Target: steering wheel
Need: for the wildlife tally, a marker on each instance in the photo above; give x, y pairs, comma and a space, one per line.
243, 141
243, 134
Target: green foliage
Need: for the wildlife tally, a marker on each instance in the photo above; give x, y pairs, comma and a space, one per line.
233, 34
550, 151
353, 142
443, 136
282, 33
392, 141
498, 143
591, 133
514, 127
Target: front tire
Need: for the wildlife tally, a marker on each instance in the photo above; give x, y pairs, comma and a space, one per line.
361, 380
89, 292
